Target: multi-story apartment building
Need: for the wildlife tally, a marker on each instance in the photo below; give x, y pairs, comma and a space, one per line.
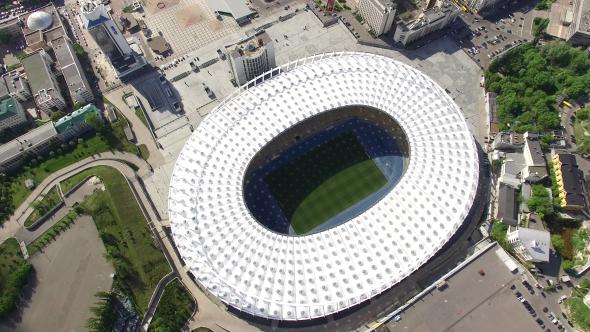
252, 57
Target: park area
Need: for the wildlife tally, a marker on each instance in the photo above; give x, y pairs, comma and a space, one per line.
528, 80
320, 184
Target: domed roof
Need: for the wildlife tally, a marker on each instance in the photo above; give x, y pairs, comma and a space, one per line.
39, 20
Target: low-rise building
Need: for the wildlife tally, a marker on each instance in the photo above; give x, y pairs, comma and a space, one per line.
433, 19
44, 86
41, 27
15, 85
74, 124
530, 245
35, 142
570, 181
508, 141
536, 167
12, 114
378, 14
72, 71
507, 207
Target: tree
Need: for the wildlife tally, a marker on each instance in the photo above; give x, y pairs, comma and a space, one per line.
57, 115
583, 114
94, 121
103, 312
5, 37
539, 201
79, 50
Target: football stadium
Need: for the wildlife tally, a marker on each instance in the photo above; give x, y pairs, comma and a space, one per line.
322, 184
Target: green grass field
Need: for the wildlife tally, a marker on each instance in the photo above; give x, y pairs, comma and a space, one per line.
322, 183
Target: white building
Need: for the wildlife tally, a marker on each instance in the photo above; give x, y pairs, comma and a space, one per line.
536, 167
378, 14
436, 18
296, 278
97, 20
252, 57
531, 245
44, 86
483, 6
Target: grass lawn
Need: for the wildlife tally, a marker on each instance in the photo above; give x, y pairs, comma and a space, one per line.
174, 309
85, 149
44, 205
144, 152
10, 258
44, 239
318, 185
72, 181
579, 312
139, 264
14, 273
141, 116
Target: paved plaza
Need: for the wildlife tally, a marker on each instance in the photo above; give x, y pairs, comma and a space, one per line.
298, 37
188, 24
68, 273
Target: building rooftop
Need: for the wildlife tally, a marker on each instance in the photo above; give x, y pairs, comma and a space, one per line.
8, 107
250, 47
573, 179
70, 66
582, 17
535, 242
42, 26
76, 117
535, 155
507, 209
12, 82
37, 73
235, 8
158, 44
26, 141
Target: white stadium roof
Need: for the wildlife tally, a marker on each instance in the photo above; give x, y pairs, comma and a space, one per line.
286, 277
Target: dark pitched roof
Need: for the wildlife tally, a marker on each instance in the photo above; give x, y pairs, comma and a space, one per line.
572, 180
507, 204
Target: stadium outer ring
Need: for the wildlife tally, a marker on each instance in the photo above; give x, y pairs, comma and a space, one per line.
282, 277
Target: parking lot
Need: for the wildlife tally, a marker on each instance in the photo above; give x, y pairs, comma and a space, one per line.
477, 298
484, 39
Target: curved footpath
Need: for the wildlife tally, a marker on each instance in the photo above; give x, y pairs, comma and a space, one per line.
210, 314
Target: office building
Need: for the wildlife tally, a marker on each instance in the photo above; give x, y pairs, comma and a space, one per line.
15, 84
12, 114
72, 71
530, 245
41, 27
252, 57
35, 142
570, 181
433, 19
378, 14
44, 86
99, 23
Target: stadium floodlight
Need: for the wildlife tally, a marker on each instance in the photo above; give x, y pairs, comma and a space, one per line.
283, 277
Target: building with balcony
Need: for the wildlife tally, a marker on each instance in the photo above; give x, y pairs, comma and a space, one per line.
378, 14
570, 181
251, 57
433, 19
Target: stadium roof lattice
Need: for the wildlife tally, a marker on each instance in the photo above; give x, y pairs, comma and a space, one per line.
286, 277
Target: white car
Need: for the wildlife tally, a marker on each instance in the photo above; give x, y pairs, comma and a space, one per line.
561, 299
397, 318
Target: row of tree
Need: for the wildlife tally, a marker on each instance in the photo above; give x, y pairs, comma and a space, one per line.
12, 288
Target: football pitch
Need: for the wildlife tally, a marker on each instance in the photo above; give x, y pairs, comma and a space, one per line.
325, 181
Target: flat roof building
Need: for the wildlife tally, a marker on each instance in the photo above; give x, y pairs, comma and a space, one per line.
15, 84
252, 57
578, 31
536, 167
378, 14
491, 110
507, 207
44, 86
236, 8
12, 114
436, 18
107, 35
41, 27
531, 245
570, 181
72, 71
37, 141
